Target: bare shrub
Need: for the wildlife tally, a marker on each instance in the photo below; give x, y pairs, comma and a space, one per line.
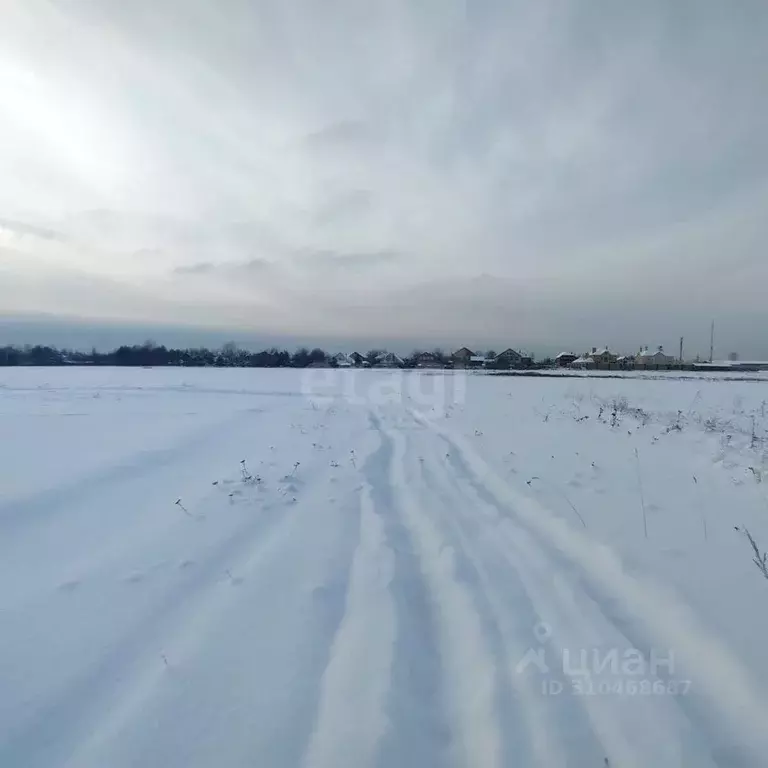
761, 558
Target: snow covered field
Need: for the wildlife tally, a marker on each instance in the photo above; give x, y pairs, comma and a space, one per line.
407, 570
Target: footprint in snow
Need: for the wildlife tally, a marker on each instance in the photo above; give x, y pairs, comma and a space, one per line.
69, 586
184, 564
136, 578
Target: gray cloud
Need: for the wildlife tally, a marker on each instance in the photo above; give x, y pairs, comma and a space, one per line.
200, 268
232, 269
21, 228
343, 135
327, 259
323, 164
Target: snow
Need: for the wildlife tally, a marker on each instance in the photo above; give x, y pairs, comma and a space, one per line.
425, 568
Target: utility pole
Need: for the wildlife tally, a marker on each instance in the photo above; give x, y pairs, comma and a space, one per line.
681, 350
712, 342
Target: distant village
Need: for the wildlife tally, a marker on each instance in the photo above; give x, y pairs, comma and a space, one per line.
151, 355
510, 359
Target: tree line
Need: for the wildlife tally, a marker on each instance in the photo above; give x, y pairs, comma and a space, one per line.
151, 354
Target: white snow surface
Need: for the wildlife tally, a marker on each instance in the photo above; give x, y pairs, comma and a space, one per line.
424, 569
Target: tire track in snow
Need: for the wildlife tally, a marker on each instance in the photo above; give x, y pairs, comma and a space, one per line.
549, 730
718, 676
622, 721
258, 658
620, 724
596, 621
419, 731
351, 714
467, 662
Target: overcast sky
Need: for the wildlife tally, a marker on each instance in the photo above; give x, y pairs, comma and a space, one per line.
559, 174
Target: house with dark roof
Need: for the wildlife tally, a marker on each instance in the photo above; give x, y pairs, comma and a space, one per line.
428, 360
509, 358
512, 358
461, 357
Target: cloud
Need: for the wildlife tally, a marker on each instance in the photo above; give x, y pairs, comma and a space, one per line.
235, 269
365, 165
354, 203
342, 135
200, 268
327, 259
22, 229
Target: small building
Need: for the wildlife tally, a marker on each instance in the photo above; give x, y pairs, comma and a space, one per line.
509, 358
461, 357
428, 360
341, 360
602, 357
655, 359
564, 359
477, 361
388, 360
582, 362
356, 359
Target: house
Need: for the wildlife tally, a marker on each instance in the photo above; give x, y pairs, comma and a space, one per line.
564, 359
602, 357
428, 360
476, 361
657, 358
461, 357
341, 360
509, 358
388, 360
356, 359
583, 362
